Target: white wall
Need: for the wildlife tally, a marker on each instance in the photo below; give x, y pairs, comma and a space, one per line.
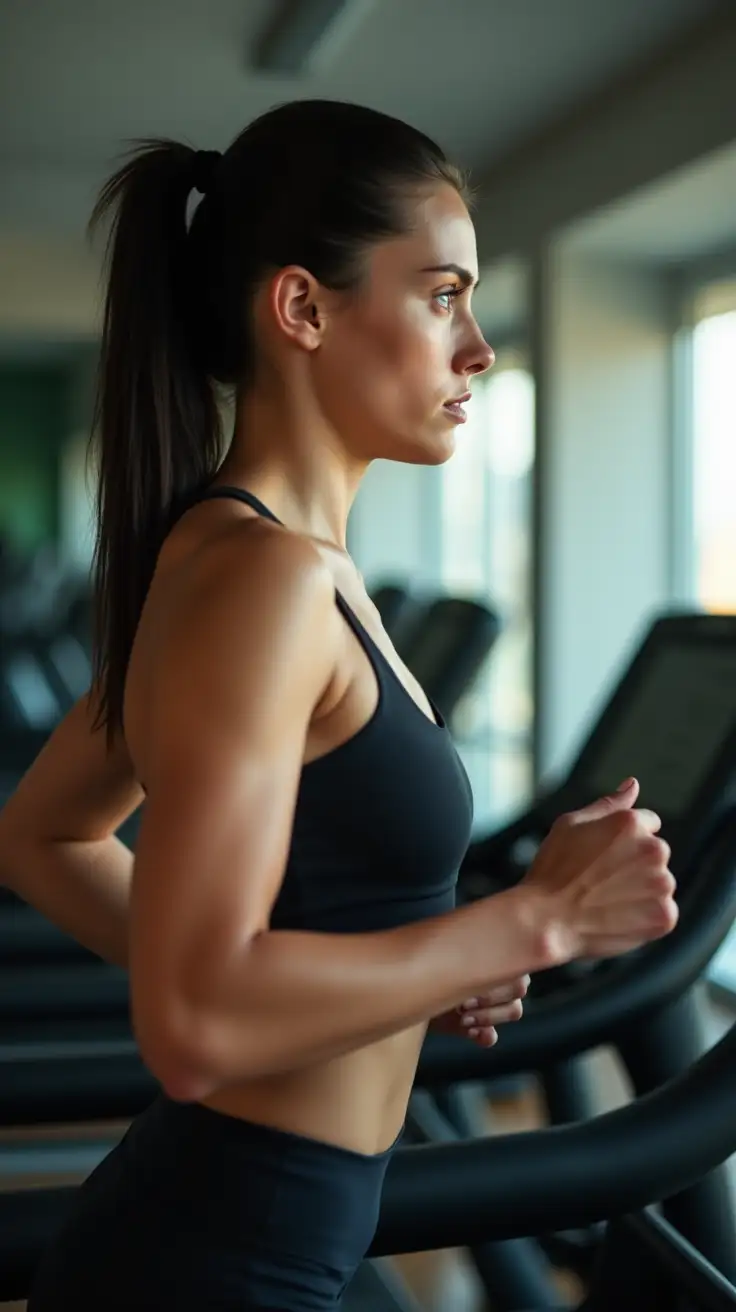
604, 428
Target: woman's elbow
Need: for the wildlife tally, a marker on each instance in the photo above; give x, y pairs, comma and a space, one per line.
182, 1084
178, 1053
186, 1038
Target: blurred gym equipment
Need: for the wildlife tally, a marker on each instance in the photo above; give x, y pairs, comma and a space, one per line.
499, 1188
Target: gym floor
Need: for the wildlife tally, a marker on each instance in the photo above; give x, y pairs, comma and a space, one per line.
442, 1281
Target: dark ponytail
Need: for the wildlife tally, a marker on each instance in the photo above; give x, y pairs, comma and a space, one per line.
313, 183
156, 426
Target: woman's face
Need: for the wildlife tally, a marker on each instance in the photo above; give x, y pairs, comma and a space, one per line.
402, 348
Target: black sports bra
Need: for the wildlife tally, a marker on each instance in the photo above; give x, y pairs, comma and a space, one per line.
382, 821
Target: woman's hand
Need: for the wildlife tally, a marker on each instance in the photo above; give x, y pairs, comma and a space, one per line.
603, 875
477, 1018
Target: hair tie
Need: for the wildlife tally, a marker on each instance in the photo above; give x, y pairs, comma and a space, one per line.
203, 169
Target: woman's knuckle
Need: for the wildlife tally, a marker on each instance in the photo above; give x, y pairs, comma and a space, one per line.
654, 850
665, 917
664, 882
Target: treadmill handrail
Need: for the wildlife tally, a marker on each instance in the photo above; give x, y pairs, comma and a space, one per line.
500, 1187
68, 989
566, 1177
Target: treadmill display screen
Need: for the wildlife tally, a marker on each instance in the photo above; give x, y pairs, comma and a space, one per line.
672, 727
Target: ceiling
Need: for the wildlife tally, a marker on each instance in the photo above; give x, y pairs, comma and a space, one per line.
672, 221
78, 78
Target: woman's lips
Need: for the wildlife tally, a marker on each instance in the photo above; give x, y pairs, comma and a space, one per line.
455, 408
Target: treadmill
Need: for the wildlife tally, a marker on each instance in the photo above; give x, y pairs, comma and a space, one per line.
671, 721
458, 1194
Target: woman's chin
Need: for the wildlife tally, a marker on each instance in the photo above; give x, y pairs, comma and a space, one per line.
430, 454
435, 445
442, 446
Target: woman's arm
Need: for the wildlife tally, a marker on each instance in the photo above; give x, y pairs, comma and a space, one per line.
58, 849
218, 997
213, 989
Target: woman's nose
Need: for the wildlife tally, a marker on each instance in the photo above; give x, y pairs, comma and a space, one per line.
480, 357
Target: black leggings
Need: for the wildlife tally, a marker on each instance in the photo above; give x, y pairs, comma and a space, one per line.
195, 1211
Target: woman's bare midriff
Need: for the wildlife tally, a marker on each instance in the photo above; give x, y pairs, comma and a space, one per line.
356, 1101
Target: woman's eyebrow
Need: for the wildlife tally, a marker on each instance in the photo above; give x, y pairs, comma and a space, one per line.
464, 275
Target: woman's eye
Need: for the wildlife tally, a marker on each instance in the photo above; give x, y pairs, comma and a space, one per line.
448, 295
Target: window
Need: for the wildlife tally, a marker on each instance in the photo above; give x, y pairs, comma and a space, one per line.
713, 492
714, 450
486, 528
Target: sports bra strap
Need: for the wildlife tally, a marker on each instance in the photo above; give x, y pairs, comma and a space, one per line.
250, 499
237, 494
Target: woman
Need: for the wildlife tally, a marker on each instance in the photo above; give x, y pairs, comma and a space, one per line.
289, 922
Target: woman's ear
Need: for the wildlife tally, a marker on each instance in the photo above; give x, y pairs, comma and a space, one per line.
296, 306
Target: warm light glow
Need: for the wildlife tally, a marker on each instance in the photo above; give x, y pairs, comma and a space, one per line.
714, 461
510, 420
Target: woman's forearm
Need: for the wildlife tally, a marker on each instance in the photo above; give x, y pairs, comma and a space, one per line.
293, 999
82, 887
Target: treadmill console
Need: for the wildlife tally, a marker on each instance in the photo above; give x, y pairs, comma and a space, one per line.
671, 722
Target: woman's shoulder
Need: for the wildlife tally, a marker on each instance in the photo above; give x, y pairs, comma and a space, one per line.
228, 545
